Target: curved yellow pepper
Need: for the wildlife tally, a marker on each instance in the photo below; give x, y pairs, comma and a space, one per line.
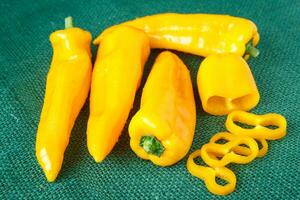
260, 125
163, 129
225, 83
199, 34
220, 155
116, 77
209, 175
67, 87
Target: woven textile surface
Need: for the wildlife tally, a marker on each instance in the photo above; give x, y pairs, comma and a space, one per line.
25, 55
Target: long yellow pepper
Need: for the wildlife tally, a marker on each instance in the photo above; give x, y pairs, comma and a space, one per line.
163, 129
116, 77
67, 87
199, 34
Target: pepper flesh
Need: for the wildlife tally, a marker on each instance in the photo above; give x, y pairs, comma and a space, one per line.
260, 125
116, 77
219, 155
261, 151
241, 150
199, 34
167, 113
209, 175
67, 88
225, 83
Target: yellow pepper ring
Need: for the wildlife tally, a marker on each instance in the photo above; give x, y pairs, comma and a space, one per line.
242, 150
209, 175
261, 125
219, 155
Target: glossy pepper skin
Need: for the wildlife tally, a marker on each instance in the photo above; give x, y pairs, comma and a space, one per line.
225, 83
199, 34
163, 129
116, 77
67, 88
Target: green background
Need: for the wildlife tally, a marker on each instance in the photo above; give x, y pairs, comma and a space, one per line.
25, 55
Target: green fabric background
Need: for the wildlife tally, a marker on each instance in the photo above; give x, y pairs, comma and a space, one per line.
25, 54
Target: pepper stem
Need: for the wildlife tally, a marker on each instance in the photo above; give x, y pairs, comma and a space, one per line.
152, 145
68, 22
251, 50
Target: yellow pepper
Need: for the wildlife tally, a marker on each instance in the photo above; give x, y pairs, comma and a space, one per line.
199, 34
67, 88
260, 125
209, 175
220, 155
116, 77
163, 129
225, 83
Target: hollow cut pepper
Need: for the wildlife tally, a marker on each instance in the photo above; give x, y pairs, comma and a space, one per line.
199, 34
67, 87
116, 77
163, 129
225, 83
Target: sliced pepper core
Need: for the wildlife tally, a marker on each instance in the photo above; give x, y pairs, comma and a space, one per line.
152, 145
251, 50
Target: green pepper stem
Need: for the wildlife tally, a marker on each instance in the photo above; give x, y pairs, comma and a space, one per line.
152, 145
68, 22
251, 50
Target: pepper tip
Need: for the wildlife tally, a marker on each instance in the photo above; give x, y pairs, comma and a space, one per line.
98, 156
51, 177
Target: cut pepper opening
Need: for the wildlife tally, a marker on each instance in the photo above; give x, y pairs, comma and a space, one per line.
223, 105
152, 145
271, 126
244, 125
221, 181
198, 161
251, 50
221, 141
260, 145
